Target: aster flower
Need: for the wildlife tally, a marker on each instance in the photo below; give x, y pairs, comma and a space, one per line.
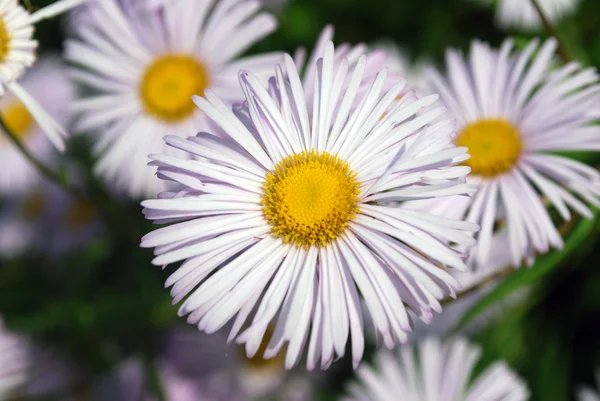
285, 210
17, 54
589, 394
144, 69
47, 82
438, 372
522, 13
13, 362
514, 114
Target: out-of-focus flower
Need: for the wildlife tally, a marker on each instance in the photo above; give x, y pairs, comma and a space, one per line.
17, 54
512, 114
288, 210
522, 13
145, 68
439, 372
589, 394
13, 362
47, 82
46, 220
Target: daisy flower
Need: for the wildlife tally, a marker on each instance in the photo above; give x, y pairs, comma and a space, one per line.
515, 115
17, 55
13, 362
522, 13
285, 209
438, 372
47, 82
589, 394
143, 70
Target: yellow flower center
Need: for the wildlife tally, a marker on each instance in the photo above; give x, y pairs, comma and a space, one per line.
310, 198
4, 41
494, 146
168, 86
80, 215
17, 119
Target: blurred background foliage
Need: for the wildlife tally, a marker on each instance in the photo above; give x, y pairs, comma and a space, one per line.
105, 301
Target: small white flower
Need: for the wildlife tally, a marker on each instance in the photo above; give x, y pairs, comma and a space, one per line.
513, 113
589, 394
13, 362
438, 372
17, 54
288, 210
522, 13
47, 82
144, 70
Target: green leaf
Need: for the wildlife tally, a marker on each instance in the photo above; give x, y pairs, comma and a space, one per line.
526, 276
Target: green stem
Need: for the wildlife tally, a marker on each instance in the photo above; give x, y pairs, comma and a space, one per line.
551, 30
41, 167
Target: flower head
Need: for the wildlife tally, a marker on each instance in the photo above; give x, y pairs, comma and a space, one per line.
143, 69
438, 372
290, 208
514, 114
17, 54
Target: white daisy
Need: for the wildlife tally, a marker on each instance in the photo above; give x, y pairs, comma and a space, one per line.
13, 362
47, 82
522, 13
438, 372
17, 54
144, 70
286, 209
589, 394
512, 114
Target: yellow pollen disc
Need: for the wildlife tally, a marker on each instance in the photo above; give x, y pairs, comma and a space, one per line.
310, 198
4, 41
168, 86
494, 146
17, 119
